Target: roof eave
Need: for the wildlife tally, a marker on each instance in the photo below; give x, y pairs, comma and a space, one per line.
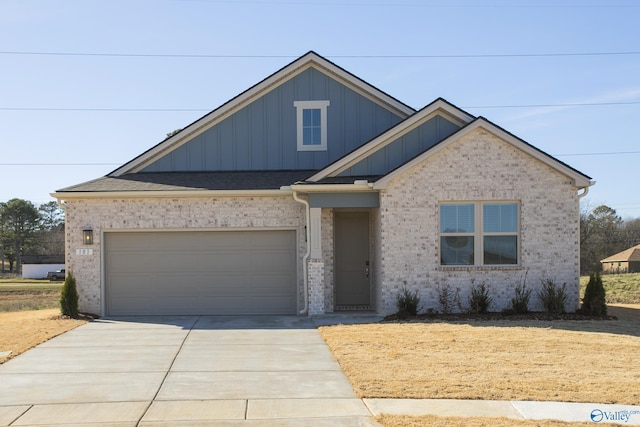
579, 180
438, 107
157, 194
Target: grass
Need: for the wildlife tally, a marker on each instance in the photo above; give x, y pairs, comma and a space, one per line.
30, 314
18, 294
563, 360
23, 330
620, 288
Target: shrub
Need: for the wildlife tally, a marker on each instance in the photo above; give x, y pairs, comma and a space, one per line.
594, 301
553, 297
408, 302
520, 300
69, 297
479, 300
445, 299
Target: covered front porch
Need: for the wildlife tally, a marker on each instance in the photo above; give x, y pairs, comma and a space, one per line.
339, 264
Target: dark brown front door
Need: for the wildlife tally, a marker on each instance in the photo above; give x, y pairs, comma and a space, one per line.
352, 264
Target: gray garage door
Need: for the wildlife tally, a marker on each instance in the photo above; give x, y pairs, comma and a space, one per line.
202, 273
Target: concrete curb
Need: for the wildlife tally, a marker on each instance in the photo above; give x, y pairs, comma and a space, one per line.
563, 411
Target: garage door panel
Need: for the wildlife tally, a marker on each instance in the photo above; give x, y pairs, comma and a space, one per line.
136, 286
272, 261
208, 273
263, 305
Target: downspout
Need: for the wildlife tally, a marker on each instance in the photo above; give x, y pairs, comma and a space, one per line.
305, 273
584, 193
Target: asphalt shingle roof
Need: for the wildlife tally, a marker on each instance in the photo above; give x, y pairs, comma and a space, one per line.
192, 181
631, 254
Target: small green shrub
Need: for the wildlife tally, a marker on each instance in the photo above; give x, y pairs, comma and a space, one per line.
520, 300
69, 297
594, 301
553, 297
408, 302
479, 300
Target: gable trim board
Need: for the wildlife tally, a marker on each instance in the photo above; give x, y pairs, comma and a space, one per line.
439, 107
298, 66
579, 179
400, 194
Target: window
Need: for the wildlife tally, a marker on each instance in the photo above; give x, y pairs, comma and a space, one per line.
481, 233
311, 125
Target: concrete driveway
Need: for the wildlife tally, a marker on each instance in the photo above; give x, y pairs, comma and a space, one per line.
187, 371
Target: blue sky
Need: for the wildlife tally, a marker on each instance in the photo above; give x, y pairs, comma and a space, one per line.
562, 75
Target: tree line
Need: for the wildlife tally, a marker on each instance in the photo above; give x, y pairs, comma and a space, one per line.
604, 233
29, 230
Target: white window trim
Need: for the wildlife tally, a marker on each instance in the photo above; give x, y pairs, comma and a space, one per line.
306, 105
479, 234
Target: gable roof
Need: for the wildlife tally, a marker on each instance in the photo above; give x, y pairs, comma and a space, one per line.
580, 180
631, 254
438, 107
309, 60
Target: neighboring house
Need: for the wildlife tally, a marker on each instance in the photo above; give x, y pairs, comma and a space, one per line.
314, 192
627, 261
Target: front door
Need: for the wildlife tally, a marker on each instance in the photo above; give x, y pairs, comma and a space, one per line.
352, 266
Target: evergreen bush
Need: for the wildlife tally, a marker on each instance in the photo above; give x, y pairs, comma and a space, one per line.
594, 301
69, 297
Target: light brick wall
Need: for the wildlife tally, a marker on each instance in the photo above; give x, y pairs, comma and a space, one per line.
316, 287
478, 167
327, 256
191, 214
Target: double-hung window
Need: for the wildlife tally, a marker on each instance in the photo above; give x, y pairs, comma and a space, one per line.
311, 117
479, 233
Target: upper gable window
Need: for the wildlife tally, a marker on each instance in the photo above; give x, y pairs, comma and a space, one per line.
311, 119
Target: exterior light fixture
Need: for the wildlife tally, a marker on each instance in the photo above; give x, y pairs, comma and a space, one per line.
87, 236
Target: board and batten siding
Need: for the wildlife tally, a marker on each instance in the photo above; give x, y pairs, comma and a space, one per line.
404, 148
262, 135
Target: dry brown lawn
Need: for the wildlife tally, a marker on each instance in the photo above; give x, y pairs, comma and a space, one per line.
22, 330
562, 360
434, 421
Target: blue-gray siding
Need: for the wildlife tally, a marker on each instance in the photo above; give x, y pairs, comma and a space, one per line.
404, 148
262, 135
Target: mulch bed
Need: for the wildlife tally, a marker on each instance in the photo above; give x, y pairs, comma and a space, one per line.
506, 315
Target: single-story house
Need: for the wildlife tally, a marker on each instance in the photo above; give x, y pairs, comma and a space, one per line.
627, 261
314, 192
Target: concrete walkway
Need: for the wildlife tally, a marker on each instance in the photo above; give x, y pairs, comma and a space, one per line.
223, 371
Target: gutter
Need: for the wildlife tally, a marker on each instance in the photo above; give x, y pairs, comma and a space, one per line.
586, 190
358, 185
305, 259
